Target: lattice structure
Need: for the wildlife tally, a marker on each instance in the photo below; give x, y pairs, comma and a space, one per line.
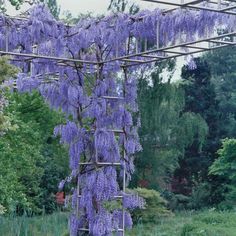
74, 69
219, 6
154, 54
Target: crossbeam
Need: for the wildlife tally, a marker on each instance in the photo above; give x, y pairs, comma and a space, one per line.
224, 6
147, 56
177, 50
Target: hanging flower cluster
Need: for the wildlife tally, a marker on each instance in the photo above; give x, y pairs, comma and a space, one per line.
100, 131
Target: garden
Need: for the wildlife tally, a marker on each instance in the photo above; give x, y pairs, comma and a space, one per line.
118, 123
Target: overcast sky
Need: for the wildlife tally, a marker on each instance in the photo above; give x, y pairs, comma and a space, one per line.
96, 6
83, 6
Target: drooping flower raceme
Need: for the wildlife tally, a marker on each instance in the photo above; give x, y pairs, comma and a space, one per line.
98, 98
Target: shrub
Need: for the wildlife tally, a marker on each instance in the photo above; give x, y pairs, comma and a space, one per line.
225, 167
155, 206
2, 209
200, 197
176, 202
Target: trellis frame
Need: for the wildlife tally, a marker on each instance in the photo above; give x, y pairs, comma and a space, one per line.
219, 6
156, 54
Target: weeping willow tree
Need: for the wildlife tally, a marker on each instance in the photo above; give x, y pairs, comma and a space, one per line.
166, 130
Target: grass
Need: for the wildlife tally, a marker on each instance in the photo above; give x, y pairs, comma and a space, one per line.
207, 223
46, 225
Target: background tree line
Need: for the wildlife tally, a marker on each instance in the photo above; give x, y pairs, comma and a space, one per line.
183, 125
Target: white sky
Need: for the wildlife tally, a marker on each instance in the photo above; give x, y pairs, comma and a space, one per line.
84, 6
96, 6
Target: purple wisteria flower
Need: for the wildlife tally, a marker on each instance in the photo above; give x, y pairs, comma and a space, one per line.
97, 96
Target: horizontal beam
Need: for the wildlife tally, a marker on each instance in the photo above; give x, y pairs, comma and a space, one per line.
117, 197
99, 164
176, 56
53, 58
113, 98
169, 48
134, 59
87, 230
192, 5
223, 42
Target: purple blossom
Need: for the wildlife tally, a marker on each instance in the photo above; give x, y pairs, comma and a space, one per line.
133, 201
74, 225
80, 92
102, 224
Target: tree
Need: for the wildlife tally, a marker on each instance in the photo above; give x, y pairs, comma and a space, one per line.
200, 98
223, 67
225, 166
122, 6
31, 161
7, 71
52, 5
165, 130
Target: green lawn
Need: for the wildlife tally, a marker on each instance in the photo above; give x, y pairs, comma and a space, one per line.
191, 224
205, 223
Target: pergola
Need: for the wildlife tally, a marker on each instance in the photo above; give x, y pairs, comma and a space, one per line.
153, 53
121, 51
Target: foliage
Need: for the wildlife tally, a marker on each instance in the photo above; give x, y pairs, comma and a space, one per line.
122, 5
222, 63
96, 41
224, 166
27, 154
163, 122
200, 98
52, 5
176, 202
2, 210
155, 206
7, 71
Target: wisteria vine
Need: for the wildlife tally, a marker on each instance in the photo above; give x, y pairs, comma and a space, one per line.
98, 95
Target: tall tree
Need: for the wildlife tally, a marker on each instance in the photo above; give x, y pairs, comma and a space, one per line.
165, 131
52, 5
7, 71
223, 66
32, 162
200, 98
123, 6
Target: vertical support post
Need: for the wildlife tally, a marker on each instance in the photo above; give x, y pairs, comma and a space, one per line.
124, 189
7, 38
145, 44
117, 48
35, 51
78, 193
158, 34
124, 157
219, 4
137, 45
127, 46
